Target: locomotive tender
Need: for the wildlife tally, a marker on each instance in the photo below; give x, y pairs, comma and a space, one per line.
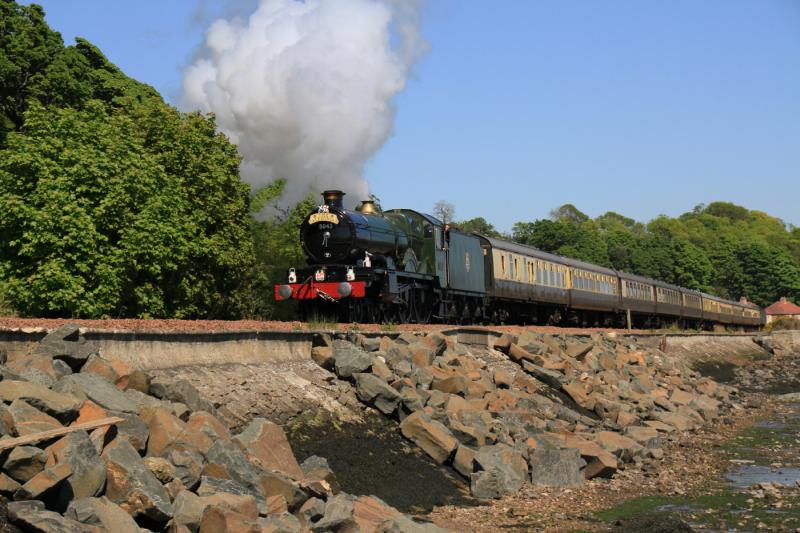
404, 266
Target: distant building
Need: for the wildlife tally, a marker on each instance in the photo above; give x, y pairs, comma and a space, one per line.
782, 308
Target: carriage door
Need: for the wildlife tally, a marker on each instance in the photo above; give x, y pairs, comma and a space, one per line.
441, 255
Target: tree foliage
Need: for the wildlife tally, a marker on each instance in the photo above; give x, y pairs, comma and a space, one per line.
115, 204
276, 241
478, 225
721, 248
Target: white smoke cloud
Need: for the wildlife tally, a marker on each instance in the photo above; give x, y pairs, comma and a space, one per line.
305, 89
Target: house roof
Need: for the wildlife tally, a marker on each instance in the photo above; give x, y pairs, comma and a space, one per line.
783, 307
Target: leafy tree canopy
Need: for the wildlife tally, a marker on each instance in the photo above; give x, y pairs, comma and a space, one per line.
722, 248
115, 204
478, 225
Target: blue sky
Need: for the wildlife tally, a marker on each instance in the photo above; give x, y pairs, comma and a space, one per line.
642, 107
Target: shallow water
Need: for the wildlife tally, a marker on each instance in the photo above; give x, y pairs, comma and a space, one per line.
748, 475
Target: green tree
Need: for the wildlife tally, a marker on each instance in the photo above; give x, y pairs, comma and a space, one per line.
27, 47
576, 240
478, 225
100, 220
277, 248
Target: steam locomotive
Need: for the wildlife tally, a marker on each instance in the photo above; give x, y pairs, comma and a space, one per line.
372, 266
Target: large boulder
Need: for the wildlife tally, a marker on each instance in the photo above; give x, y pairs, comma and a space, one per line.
183, 392
66, 344
97, 389
226, 460
500, 469
164, 429
39, 369
24, 419
551, 378
432, 436
317, 469
187, 464
103, 513
63, 407
554, 467
31, 515
88, 469
338, 515
132, 428
370, 513
43, 483
267, 442
373, 390
219, 519
349, 359
132, 485
24, 462
189, 507
599, 462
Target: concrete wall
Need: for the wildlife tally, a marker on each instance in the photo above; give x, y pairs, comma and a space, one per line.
152, 350
157, 350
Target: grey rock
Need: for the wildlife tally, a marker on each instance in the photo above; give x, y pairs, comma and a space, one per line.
556, 468
311, 511
316, 468
213, 485
65, 344
230, 457
181, 391
31, 515
62, 369
283, 523
98, 390
134, 429
189, 509
24, 462
338, 514
404, 524
133, 486
422, 377
188, 465
88, 469
63, 407
500, 470
142, 400
349, 359
103, 513
373, 390
371, 344
550, 378
37, 376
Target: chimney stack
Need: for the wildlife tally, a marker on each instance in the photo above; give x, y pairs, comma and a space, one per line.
334, 199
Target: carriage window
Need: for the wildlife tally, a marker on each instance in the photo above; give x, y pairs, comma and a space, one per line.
503, 265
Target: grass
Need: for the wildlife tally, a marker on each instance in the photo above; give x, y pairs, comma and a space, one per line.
318, 419
722, 506
322, 322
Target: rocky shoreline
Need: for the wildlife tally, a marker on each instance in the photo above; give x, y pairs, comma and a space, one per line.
160, 458
539, 432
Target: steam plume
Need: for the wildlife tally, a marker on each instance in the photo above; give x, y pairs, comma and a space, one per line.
305, 89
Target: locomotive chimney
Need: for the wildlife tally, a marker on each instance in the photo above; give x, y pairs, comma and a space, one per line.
334, 199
